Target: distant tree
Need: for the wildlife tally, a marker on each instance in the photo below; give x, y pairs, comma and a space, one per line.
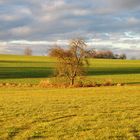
116, 56
122, 56
100, 54
70, 61
105, 54
91, 53
28, 52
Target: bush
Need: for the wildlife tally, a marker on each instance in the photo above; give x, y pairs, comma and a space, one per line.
45, 84
78, 84
88, 84
108, 82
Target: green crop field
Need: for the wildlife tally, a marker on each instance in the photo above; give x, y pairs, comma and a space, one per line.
98, 113
31, 69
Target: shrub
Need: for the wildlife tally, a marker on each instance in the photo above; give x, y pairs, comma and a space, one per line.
78, 84
45, 84
108, 82
88, 84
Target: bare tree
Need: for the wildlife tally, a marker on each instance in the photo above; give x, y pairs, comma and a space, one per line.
71, 61
123, 56
28, 52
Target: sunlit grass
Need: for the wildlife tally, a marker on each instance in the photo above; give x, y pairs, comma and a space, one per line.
88, 113
32, 69
99, 113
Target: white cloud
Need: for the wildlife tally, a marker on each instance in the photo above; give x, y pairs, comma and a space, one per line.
106, 22
4, 48
26, 42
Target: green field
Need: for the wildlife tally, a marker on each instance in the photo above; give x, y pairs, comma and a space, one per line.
98, 113
29, 69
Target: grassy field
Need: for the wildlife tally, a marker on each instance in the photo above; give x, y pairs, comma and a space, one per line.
101, 113
26, 69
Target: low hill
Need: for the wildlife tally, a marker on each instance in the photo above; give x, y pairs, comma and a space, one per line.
32, 69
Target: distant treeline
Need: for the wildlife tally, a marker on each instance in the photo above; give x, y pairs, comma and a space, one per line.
104, 54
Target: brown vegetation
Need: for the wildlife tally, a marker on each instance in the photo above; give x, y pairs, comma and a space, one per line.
80, 83
71, 61
104, 54
51, 84
28, 52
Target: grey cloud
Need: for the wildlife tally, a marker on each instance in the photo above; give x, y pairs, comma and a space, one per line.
52, 20
128, 4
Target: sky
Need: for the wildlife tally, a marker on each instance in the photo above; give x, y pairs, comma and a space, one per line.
39, 24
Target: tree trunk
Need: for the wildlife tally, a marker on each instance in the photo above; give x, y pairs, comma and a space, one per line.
72, 81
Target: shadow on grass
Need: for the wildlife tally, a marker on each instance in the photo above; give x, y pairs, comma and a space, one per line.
25, 72
42, 72
112, 71
25, 62
133, 83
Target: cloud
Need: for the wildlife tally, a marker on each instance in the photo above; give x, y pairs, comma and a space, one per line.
21, 31
115, 22
4, 48
125, 4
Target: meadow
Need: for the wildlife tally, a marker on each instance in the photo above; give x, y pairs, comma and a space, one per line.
98, 113
101, 113
32, 69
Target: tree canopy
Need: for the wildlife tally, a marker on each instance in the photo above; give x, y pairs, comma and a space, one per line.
70, 61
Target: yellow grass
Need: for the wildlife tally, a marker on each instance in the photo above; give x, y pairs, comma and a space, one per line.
101, 113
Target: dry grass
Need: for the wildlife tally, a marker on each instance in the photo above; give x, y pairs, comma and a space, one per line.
99, 113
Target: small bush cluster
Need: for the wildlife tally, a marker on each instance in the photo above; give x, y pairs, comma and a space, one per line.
62, 83
108, 82
45, 84
78, 83
15, 85
52, 84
